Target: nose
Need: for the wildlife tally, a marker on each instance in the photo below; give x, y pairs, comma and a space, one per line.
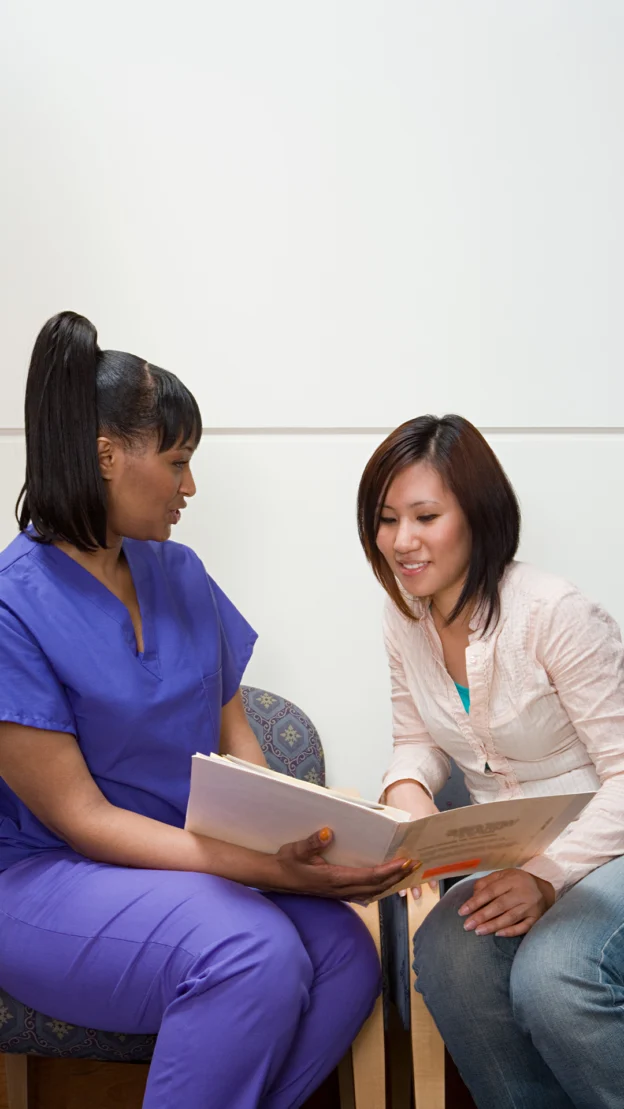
188, 487
406, 538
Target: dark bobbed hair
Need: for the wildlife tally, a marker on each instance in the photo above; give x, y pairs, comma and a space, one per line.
74, 393
472, 472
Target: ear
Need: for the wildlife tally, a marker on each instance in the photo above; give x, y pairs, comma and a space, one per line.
109, 455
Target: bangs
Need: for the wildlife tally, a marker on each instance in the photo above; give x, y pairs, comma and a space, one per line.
176, 412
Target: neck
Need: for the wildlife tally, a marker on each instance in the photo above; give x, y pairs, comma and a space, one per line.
103, 563
444, 602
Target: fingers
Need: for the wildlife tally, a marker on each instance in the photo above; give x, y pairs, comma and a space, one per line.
505, 903
400, 867
354, 883
497, 917
519, 929
484, 891
316, 876
416, 890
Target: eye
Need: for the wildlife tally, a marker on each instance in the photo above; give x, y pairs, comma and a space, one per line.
387, 520
427, 519
180, 464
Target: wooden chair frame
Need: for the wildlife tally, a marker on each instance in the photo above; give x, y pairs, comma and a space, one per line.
362, 1073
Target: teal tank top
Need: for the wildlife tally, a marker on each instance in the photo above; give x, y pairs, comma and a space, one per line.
464, 693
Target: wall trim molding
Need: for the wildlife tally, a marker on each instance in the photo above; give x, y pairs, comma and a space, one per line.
8, 432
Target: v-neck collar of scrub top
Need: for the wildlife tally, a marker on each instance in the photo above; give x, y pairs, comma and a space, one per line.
98, 594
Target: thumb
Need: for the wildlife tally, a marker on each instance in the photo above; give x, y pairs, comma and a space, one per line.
315, 844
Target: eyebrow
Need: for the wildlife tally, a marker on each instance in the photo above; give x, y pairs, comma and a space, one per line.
415, 504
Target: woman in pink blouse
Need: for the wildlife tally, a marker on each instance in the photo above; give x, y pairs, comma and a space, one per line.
520, 679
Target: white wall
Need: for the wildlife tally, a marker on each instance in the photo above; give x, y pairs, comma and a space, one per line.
328, 217
274, 521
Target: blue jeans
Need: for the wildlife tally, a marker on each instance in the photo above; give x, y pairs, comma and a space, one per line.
535, 1022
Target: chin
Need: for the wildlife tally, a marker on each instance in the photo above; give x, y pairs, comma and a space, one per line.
151, 535
415, 588
416, 591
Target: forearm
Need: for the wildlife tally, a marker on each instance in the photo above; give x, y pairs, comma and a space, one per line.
113, 835
412, 797
594, 838
416, 761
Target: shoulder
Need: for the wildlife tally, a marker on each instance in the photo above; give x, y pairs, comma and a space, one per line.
18, 563
18, 549
524, 582
551, 603
397, 627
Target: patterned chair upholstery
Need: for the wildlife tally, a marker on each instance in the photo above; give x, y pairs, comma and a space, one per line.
396, 942
291, 744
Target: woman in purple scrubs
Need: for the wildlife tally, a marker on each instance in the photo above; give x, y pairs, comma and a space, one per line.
119, 658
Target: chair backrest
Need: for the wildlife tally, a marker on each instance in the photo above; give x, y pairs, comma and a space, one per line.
287, 736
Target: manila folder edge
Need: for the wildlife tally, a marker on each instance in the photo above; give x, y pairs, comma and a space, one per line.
265, 810
493, 836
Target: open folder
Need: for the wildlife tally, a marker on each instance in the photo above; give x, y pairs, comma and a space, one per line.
251, 806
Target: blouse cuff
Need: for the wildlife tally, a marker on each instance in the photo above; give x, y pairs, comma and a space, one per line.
543, 867
427, 772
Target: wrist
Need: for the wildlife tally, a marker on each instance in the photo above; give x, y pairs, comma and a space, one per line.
412, 797
407, 788
547, 891
271, 873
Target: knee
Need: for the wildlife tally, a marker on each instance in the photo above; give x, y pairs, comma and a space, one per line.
352, 965
450, 962
342, 945
353, 942
442, 949
277, 960
264, 955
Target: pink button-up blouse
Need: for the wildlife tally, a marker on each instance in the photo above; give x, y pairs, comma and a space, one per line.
546, 712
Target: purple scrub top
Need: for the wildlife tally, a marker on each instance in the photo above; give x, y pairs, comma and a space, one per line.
69, 663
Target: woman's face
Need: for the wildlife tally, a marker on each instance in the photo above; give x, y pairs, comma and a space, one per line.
424, 536
146, 490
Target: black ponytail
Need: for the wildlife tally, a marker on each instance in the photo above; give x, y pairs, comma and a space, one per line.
63, 496
74, 393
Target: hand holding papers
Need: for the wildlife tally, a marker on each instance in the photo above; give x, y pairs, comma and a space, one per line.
254, 807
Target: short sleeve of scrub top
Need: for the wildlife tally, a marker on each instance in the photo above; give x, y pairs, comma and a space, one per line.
69, 662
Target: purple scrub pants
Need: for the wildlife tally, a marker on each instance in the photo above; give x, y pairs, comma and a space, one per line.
255, 997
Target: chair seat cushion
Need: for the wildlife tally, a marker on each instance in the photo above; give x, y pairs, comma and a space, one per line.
24, 1031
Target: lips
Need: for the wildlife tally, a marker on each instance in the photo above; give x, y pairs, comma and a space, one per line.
412, 569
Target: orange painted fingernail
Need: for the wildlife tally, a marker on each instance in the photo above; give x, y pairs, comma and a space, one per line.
325, 835
407, 863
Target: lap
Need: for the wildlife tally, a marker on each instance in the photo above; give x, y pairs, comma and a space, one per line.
584, 929
587, 922
65, 918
